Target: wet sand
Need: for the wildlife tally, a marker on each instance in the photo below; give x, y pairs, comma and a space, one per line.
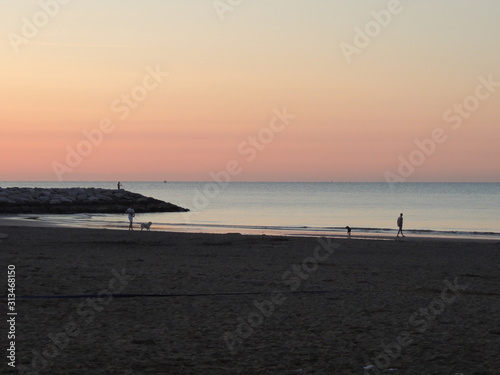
180, 303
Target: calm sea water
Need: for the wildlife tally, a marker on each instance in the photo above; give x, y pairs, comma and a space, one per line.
449, 209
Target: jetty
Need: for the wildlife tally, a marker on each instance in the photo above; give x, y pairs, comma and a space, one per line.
18, 200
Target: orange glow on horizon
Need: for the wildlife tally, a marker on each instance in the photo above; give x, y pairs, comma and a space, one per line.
184, 98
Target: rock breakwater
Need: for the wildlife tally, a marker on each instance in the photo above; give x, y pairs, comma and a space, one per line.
78, 200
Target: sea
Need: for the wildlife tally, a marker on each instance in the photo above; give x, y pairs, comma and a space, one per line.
462, 210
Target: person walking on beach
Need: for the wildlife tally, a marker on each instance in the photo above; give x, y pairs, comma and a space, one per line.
131, 214
400, 225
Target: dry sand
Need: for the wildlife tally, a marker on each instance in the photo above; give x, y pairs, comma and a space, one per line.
233, 304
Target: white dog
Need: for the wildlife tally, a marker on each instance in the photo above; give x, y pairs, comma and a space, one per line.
146, 226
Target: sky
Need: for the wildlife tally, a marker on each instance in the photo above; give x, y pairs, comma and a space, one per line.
240, 90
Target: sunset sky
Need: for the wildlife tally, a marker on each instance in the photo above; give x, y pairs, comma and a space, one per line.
176, 89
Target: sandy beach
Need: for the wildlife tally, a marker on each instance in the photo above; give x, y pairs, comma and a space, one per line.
179, 303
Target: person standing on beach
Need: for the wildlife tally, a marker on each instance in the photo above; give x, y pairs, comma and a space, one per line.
348, 231
131, 214
119, 185
400, 225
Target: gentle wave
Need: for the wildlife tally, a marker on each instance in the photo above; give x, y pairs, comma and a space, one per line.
117, 222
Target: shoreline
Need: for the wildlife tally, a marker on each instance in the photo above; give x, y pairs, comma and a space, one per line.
268, 211
34, 221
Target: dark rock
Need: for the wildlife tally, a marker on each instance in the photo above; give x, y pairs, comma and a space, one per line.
78, 200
